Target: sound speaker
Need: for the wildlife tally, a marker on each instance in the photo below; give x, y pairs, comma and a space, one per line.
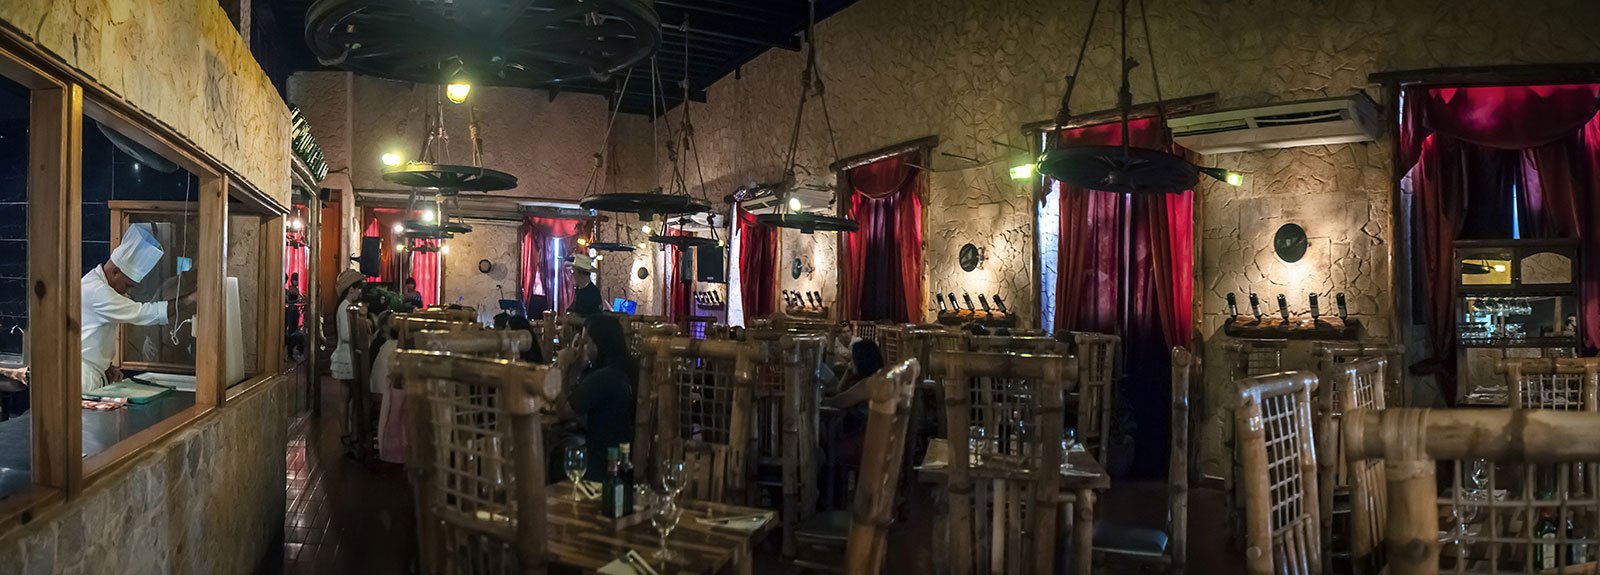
371, 257
708, 264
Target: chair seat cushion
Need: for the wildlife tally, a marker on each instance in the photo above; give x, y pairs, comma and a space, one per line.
1112, 537
829, 525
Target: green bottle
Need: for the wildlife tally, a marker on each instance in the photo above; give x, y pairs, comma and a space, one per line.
625, 471
1544, 556
611, 491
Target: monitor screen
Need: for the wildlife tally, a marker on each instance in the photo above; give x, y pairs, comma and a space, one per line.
630, 307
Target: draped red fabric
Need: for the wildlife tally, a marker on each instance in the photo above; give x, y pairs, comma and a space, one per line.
1170, 227
426, 269
380, 224
539, 258
1093, 238
1449, 140
679, 286
758, 266
883, 259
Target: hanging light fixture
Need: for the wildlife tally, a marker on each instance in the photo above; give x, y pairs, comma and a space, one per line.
789, 214
1123, 168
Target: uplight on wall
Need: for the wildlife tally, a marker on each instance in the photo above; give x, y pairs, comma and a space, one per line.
457, 91
390, 159
1022, 172
1224, 175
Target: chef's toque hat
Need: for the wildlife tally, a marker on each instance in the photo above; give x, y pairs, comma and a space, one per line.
138, 252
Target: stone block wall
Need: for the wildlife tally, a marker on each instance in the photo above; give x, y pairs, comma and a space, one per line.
207, 500
494, 241
975, 72
180, 61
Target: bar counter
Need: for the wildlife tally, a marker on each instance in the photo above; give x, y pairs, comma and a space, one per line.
101, 429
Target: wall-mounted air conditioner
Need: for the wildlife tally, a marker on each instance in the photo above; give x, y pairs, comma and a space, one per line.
1343, 120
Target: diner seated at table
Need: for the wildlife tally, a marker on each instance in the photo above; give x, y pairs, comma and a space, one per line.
533, 354
850, 397
598, 397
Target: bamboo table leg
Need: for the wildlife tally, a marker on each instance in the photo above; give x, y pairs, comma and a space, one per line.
1083, 532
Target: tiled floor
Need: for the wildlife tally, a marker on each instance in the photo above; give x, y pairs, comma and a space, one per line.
346, 518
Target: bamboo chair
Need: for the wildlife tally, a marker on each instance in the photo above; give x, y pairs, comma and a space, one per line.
1017, 344
363, 429
1565, 384
697, 326
1003, 510
464, 314
1097, 360
785, 412
1168, 546
702, 394
1278, 460
867, 330
1528, 446
644, 411
483, 457
1246, 358
1361, 387
861, 534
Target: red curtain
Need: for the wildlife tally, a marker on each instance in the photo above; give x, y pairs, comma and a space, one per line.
426, 269
1095, 231
1448, 136
540, 274
883, 259
680, 302
758, 266
380, 224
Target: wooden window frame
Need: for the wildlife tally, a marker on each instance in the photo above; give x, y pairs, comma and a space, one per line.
61, 98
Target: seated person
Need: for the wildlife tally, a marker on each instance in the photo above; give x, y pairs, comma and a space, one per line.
410, 295
535, 353
598, 396
851, 397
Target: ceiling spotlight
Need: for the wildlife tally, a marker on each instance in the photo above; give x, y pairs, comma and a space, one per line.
583, 241
645, 229
794, 204
444, 249
427, 215
391, 159
399, 247
457, 91
399, 228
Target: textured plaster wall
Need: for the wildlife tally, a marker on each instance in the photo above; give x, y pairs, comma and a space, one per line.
244, 247
493, 241
973, 72
180, 61
548, 145
208, 500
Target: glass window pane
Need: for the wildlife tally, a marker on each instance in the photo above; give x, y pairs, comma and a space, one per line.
16, 433
141, 246
241, 296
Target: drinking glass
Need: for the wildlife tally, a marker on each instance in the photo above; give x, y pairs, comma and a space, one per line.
977, 443
576, 465
672, 477
665, 517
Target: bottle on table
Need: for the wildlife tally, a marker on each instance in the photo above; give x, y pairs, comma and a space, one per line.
625, 472
611, 492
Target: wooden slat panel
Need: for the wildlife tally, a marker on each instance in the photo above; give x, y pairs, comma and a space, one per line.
55, 205
210, 321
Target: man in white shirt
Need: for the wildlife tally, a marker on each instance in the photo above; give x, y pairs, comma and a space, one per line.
106, 304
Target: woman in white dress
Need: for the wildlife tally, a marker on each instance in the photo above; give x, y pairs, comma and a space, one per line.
348, 284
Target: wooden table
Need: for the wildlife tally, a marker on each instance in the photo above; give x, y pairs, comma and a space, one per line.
580, 537
1076, 490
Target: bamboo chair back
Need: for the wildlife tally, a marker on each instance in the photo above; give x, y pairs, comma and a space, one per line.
644, 412
1013, 487
483, 456
408, 325
1278, 461
1361, 386
882, 454
1537, 467
697, 326
703, 397
464, 314
898, 343
1017, 344
1253, 357
1565, 384
1097, 360
866, 330
498, 344
940, 340
786, 410
361, 331
1184, 366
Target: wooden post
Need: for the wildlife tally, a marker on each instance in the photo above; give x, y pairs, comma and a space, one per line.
1252, 440
873, 508
55, 257
211, 319
1184, 365
270, 298
958, 417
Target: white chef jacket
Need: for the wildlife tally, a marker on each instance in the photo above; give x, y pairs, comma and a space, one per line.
103, 310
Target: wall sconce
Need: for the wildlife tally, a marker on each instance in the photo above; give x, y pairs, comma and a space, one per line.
1290, 243
971, 257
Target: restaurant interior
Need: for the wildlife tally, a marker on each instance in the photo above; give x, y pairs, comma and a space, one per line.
697, 287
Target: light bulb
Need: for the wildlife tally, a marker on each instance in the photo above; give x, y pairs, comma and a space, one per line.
427, 215
391, 159
1022, 172
645, 229
399, 228
457, 91
794, 204
599, 257
1235, 179
1499, 268
294, 224
399, 247
444, 249
641, 246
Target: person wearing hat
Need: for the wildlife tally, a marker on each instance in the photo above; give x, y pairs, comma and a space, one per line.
348, 284
586, 297
106, 304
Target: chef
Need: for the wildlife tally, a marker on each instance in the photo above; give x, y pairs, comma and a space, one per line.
106, 304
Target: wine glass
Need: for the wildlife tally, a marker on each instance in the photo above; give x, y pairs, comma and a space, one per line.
977, 442
665, 517
1069, 438
576, 465
672, 477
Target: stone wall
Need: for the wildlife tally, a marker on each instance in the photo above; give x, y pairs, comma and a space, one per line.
207, 500
493, 241
180, 61
976, 72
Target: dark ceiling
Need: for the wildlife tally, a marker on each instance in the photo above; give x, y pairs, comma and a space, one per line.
722, 35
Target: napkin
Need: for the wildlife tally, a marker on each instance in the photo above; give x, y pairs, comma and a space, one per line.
590, 491
621, 566
746, 523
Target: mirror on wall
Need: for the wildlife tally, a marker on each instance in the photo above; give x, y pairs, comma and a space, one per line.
1290, 243
643, 273
796, 268
485, 265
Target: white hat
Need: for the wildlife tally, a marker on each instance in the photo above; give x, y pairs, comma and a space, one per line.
582, 263
138, 252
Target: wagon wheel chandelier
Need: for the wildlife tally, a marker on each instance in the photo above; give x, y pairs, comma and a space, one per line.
521, 43
810, 82
441, 220
1123, 168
